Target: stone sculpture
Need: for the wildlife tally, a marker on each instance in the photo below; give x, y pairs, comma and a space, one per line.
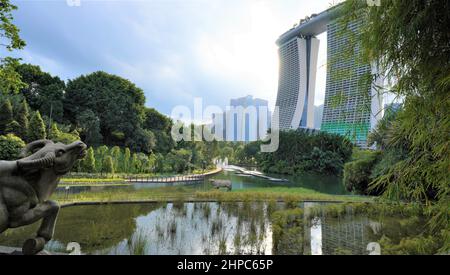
222, 183
27, 184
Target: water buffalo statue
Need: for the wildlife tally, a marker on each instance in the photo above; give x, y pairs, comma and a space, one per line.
217, 184
27, 184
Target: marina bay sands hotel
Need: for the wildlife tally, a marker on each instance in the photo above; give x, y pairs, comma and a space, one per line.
351, 108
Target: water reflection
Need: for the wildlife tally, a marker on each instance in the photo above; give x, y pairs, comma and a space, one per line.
316, 237
212, 228
321, 183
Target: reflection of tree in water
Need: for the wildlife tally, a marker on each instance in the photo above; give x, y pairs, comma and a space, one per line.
210, 228
93, 227
99, 227
350, 233
345, 235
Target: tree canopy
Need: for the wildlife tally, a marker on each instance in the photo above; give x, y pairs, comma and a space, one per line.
118, 104
409, 42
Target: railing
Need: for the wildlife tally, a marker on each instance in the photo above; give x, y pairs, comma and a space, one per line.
185, 178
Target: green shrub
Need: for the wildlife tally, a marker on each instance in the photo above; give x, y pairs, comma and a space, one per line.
287, 232
419, 245
357, 173
10, 146
301, 151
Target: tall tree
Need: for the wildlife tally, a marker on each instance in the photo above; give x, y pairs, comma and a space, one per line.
135, 163
10, 81
54, 132
22, 115
90, 128
88, 163
100, 154
108, 165
116, 155
117, 102
126, 160
37, 128
155, 121
6, 116
44, 92
8, 31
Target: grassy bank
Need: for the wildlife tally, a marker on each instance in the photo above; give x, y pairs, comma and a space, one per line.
278, 193
128, 195
190, 194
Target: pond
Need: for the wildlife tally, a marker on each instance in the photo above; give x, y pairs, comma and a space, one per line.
206, 228
321, 183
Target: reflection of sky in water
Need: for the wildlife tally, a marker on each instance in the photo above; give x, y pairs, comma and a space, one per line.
316, 237
201, 228
197, 233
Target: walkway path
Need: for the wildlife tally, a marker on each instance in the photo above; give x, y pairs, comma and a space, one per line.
170, 179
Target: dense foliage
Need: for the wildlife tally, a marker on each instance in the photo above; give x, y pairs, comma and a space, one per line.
10, 147
409, 41
9, 39
117, 104
299, 152
357, 173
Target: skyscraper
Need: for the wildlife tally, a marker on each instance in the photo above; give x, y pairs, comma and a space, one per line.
247, 119
352, 106
296, 84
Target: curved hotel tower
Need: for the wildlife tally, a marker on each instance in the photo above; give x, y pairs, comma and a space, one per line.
297, 78
351, 108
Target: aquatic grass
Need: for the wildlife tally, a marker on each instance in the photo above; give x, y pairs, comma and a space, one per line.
287, 232
162, 194
159, 231
173, 227
177, 194
223, 245
374, 210
138, 243
206, 210
296, 194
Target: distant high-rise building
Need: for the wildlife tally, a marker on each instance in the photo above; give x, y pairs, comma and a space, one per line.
318, 114
248, 123
248, 119
296, 84
352, 106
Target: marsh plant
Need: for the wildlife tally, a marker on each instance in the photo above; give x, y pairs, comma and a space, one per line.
138, 243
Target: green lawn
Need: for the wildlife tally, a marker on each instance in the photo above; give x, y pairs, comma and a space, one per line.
279, 193
190, 194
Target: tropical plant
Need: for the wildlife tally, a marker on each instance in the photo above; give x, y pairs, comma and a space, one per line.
10, 146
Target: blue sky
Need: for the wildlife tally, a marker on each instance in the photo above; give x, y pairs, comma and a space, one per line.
174, 50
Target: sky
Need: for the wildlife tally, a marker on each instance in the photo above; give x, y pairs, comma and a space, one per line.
174, 50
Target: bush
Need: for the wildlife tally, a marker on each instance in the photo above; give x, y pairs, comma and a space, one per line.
10, 146
301, 151
287, 236
357, 173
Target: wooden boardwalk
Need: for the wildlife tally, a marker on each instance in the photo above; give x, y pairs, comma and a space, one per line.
173, 179
170, 179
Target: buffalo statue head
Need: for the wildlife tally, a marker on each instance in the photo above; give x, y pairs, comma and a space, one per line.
45, 154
